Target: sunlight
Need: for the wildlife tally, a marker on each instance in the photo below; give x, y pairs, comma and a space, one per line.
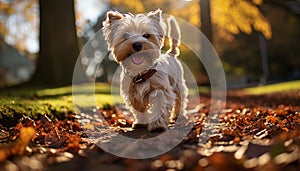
89, 10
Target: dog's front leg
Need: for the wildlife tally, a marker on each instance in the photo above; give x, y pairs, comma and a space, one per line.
159, 118
141, 119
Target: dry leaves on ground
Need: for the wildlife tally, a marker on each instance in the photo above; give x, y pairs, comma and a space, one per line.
254, 133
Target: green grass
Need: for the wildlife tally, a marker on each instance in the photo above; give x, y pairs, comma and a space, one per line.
99, 88
35, 101
273, 88
32, 107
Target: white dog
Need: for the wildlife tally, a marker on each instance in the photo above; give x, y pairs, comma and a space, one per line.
152, 83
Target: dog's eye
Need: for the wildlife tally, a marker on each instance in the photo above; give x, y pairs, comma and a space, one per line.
126, 36
147, 36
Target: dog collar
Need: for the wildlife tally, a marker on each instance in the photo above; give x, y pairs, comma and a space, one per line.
142, 77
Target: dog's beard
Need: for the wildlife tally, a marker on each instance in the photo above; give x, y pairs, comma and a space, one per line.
140, 61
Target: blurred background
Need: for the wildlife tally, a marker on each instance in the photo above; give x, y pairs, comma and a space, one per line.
255, 39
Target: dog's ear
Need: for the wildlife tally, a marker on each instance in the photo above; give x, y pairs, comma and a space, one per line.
155, 15
159, 23
108, 27
112, 16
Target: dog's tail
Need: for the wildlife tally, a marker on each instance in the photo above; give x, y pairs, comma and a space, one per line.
174, 36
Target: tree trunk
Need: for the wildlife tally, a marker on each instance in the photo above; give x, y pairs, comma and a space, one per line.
264, 58
58, 43
205, 19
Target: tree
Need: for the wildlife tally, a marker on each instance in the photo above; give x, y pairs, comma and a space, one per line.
58, 43
206, 19
58, 39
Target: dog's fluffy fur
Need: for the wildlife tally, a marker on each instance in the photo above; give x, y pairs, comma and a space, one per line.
136, 42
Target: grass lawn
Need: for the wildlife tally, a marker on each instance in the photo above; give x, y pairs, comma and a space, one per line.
52, 101
273, 88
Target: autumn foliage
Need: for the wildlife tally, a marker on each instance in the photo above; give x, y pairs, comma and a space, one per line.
228, 16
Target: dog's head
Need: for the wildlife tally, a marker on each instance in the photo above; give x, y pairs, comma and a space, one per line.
135, 40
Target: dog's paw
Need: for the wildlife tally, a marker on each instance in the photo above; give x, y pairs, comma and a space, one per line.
138, 126
157, 126
157, 129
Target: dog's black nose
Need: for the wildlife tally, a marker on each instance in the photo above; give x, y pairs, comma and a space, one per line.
137, 46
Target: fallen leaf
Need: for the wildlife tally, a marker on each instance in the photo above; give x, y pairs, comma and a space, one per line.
19, 146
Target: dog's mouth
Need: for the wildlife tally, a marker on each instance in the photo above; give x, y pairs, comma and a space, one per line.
138, 62
137, 59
